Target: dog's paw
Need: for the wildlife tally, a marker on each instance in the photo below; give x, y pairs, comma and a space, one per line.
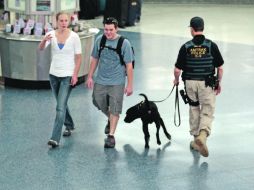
146, 146
168, 136
159, 142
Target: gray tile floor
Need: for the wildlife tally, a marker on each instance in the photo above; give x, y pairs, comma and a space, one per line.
26, 118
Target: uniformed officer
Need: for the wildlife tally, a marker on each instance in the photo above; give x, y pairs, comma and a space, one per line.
200, 59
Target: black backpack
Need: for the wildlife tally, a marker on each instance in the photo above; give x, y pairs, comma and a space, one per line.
117, 49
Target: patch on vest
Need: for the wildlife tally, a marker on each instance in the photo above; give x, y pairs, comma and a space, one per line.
198, 51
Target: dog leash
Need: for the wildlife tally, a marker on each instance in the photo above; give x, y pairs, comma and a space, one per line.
177, 108
167, 96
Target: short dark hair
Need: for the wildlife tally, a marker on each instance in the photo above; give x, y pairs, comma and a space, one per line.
111, 20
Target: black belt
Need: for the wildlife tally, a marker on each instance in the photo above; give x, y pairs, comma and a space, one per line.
196, 79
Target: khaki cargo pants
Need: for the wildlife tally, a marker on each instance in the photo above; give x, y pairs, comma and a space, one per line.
200, 117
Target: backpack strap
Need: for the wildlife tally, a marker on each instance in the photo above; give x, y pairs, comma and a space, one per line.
119, 49
102, 44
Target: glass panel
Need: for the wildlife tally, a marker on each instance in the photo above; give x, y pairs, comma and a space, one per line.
45, 7
16, 5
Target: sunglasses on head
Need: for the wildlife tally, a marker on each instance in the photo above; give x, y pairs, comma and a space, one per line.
111, 20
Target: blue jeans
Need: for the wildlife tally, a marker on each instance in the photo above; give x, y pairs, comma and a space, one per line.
61, 89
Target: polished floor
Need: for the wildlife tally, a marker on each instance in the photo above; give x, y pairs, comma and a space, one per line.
81, 162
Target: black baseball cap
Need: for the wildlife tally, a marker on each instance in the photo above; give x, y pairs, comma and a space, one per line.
197, 23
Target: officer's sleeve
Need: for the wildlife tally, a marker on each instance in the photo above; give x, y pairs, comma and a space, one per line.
181, 59
217, 57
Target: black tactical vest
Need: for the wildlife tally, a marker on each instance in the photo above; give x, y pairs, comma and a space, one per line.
199, 61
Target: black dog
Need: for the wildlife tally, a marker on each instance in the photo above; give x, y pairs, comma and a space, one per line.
148, 112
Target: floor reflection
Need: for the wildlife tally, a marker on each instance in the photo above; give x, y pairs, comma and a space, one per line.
143, 166
198, 172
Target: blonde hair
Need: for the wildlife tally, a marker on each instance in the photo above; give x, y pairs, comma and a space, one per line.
62, 13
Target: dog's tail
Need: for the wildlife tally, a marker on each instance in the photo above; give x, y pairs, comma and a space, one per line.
146, 102
146, 99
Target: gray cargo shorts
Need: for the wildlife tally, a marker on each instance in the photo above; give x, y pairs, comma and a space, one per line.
108, 98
